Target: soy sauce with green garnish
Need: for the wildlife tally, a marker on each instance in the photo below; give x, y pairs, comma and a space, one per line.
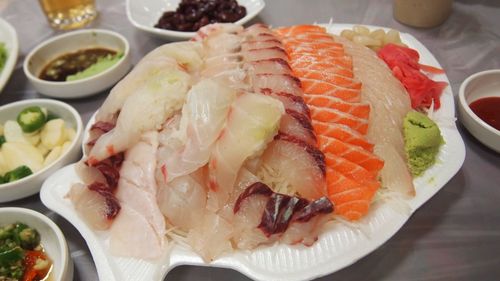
72, 63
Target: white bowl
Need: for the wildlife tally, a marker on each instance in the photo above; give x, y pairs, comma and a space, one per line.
8, 36
44, 53
144, 14
480, 85
31, 184
52, 239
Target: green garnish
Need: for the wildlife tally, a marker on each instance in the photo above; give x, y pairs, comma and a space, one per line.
3, 55
31, 119
2, 140
18, 173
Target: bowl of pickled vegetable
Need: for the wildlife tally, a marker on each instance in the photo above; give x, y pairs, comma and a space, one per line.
32, 247
37, 137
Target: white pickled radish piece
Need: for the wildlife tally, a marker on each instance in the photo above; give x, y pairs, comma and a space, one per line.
53, 133
252, 123
205, 112
132, 236
53, 155
13, 132
183, 192
158, 98
300, 166
18, 154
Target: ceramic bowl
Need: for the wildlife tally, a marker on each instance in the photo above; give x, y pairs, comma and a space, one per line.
47, 51
52, 239
144, 14
31, 184
8, 36
480, 85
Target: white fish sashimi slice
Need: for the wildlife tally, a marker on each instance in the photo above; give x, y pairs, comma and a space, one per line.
222, 43
247, 235
211, 236
161, 95
298, 126
132, 236
269, 66
178, 195
264, 54
187, 54
389, 105
260, 44
90, 206
252, 123
276, 83
205, 112
217, 28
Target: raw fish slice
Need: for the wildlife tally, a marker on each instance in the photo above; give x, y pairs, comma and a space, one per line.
389, 104
393, 162
341, 61
212, 70
293, 166
305, 233
259, 44
133, 82
92, 207
330, 53
88, 174
161, 95
299, 126
314, 36
132, 236
297, 44
311, 87
335, 116
264, 54
217, 28
276, 83
179, 194
326, 103
352, 153
205, 112
342, 133
328, 77
222, 43
327, 68
290, 102
294, 30
349, 169
252, 123
187, 54
256, 30
210, 238
351, 199
269, 66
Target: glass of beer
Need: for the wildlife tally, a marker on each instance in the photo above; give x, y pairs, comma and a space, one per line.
69, 14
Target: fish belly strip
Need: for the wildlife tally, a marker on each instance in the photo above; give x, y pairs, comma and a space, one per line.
350, 152
351, 199
342, 133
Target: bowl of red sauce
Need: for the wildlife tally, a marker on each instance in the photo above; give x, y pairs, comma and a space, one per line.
479, 107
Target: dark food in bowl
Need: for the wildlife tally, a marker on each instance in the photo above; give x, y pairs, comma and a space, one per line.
193, 14
21, 254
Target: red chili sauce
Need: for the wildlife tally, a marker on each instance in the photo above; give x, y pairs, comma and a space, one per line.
488, 109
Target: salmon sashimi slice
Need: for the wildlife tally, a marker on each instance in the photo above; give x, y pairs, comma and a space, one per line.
341, 61
312, 87
361, 110
298, 29
351, 199
294, 43
342, 133
351, 152
322, 52
330, 69
323, 113
331, 115
349, 169
344, 63
329, 77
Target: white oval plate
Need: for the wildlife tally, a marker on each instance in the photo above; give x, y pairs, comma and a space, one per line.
336, 248
144, 14
8, 36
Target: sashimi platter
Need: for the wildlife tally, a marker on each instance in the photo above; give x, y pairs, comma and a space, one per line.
283, 153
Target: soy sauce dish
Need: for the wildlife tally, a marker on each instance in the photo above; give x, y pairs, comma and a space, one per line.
78, 64
479, 107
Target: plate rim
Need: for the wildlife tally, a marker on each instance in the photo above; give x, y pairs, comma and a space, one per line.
455, 140
13, 53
